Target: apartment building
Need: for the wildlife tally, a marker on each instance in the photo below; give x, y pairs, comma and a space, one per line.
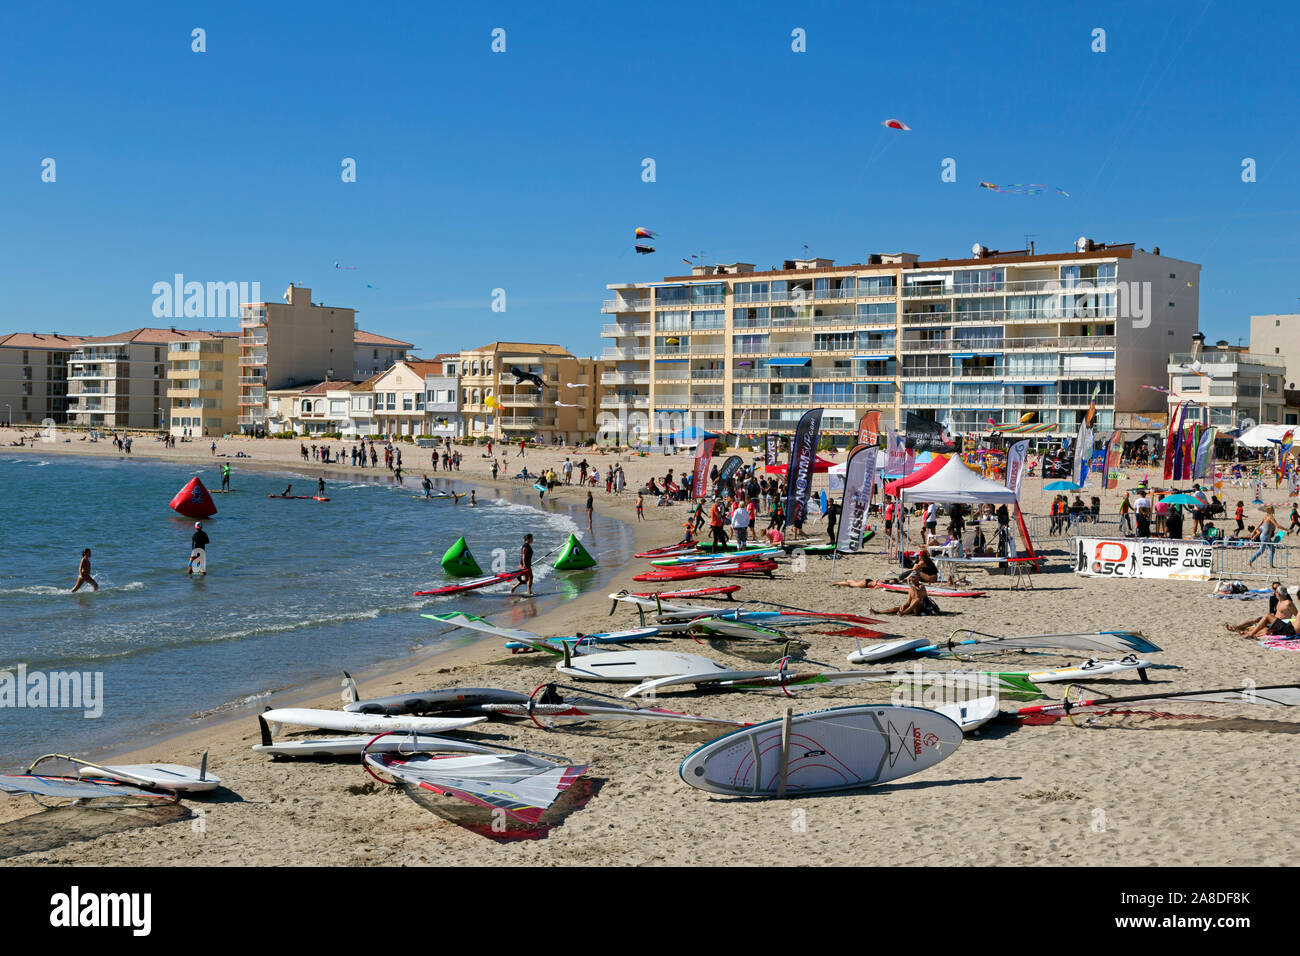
994, 335
374, 353
34, 376
1277, 337
564, 411
417, 398
121, 381
290, 343
320, 408
1229, 385
203, 385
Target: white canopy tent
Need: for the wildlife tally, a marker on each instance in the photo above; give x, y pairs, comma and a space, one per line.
955, 483
1262, 436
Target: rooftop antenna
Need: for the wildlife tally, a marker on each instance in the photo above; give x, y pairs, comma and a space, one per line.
1029, 241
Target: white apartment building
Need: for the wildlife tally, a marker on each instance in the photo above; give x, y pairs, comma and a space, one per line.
995, 335
1230, 384
121, 381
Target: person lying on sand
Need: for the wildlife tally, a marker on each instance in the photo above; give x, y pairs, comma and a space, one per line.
918, 601
850, 583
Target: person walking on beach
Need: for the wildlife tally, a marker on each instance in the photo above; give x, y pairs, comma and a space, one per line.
198, 547
1240, 515
832, 516
589, 507
1265, 534
525, 564
83, 573
225, 476
214, 449
473, 502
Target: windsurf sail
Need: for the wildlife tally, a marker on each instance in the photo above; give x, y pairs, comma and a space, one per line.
579, 709
1126, 642
1286, 695
522, 785
76, 788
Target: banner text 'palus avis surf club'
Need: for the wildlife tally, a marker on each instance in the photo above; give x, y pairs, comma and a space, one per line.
1143, 558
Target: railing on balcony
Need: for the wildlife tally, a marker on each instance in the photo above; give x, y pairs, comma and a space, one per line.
671, 375
706, 373
252, 358
256, 338
957, 287
622, 329
620, 304
620, 354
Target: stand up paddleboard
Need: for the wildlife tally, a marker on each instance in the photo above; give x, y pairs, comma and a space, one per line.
842, 748
170, 776
363, 723
471, 585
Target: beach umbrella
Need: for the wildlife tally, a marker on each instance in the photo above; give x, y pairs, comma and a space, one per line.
1062, 486
1183, 499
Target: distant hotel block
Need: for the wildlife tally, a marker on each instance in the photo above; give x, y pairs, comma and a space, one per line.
994, 336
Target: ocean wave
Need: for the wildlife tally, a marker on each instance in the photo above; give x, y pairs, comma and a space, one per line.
45, 590
232, 705
242, 634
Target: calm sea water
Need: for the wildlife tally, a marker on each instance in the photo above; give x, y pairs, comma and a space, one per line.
295, 591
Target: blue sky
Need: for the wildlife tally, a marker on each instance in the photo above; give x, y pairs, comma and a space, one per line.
522, 170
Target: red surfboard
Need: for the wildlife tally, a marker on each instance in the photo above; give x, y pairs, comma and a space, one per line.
689, 572
471, 585
727, 590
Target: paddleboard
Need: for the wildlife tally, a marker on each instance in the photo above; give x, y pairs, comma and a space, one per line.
707, 571
970, 715
879, 652
199, 561
351, 746
636, 666
363, 723
842, 748
584, 640
471, 585
1090, 669
291, 497
438, 496
685, 559
451, 698
318, 498
172, 776
539, 486
691, 592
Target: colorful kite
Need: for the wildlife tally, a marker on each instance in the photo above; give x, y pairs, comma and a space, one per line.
522, 376
1023, 189
895, 124
560, 404
575, 384
642, 233
345, 268
643, 250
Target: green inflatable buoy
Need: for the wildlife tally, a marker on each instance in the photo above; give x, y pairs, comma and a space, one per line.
459, 563
573, 556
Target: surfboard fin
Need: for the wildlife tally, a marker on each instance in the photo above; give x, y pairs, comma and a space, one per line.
203, 766
266, 731
350, 693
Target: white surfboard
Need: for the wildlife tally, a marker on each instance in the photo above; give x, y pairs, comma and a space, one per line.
351, 746
843, 748
636, 666
1092, 668
363, 723
887, 649
710, 677
172, 776
199, 561
970, 715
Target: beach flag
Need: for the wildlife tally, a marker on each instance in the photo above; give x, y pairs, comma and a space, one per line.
1016, 455
859, 483
703, 453
799, 473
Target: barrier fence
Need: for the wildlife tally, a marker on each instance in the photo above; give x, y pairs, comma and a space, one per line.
1232, 561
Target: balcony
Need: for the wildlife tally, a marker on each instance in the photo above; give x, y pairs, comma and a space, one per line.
671, 375
518, 422
252, 359
621, 304
252, 380
252, 319
255, 338
624, 330
623, 354
699, 374
618, 378
709, 400
254, 417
